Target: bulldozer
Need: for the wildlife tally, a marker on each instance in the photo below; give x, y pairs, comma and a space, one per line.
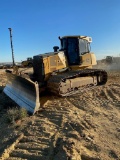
27, 63
62, 72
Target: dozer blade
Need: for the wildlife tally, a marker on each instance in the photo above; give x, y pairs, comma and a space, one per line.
23, 91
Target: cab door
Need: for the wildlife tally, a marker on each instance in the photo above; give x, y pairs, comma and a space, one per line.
73, 51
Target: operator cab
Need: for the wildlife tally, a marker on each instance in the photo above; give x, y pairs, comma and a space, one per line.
74, 47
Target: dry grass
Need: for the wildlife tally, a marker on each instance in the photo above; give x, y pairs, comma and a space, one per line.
14, 114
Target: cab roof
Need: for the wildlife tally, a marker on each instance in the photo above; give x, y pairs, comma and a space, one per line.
89, 39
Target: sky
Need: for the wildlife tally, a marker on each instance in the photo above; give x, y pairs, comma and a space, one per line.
37, 24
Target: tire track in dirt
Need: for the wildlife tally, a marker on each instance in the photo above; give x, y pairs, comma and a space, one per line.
116, 92
115, 84
110, 94
81, 124
107, 97
39, 138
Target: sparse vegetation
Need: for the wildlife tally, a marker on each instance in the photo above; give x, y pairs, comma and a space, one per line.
15, 114
22, 113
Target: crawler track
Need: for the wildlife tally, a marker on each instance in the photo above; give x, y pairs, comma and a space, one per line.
57, 83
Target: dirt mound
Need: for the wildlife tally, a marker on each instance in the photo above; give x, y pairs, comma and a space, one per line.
84, 126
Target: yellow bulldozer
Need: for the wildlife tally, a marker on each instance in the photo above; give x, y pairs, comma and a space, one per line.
28, 62
63, 72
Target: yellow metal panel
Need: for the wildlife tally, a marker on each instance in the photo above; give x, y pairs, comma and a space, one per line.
54, 63
88, 60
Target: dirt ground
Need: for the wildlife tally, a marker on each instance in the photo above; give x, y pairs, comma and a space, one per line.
84, 126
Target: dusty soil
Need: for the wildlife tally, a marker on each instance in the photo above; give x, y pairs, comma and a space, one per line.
84, 126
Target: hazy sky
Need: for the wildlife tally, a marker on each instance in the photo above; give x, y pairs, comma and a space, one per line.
37, 24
